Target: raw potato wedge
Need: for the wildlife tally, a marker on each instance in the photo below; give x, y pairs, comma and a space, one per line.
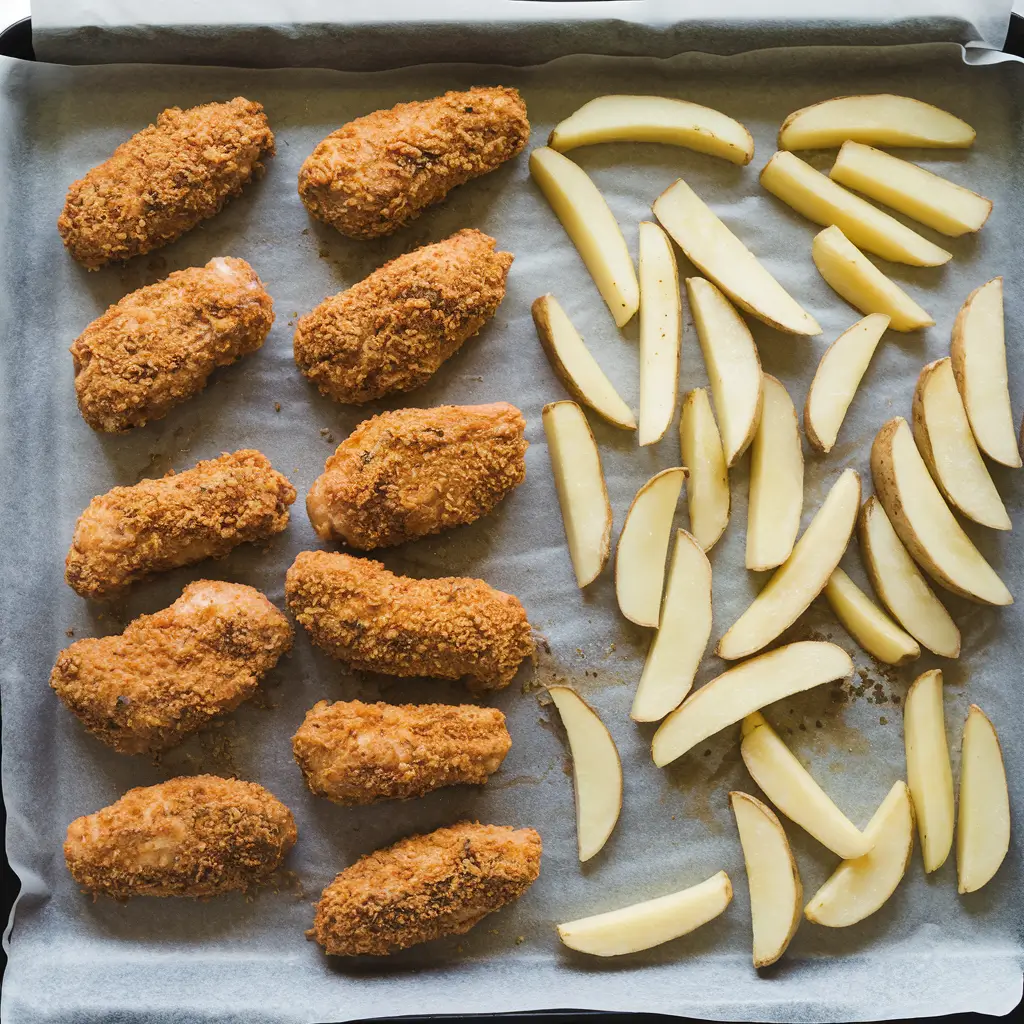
978, 351
596, 771
707, 486
802, 577
882, 119
793, 790
923, 521
733, 365
643, 925
837, 378
920, 194
946, 444
661, 324
592, 228
574, 366
928, 771
772, 877
900, 585
859, 887
983, 827
867, 623
818, 198
849, 273
678, 646
654, 119
747, 688
643, 545
582, 495
716, 252
776, 499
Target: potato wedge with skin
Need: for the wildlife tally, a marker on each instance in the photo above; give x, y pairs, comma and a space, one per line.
678, 646
859, 887
575, 367
654, 119
591, 226
923, 521
579, 482
946, 444
772, 878
900, 585
596, 771
849, 273
920, 194
643, 925
818, 198
744, 689
776, 499
714, 250
983, 827
707, 486
802, 577
867, 623
643, 545
837, 378
882, 119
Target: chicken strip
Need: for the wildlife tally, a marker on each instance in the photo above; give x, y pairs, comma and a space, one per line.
158, 346
130, 532
165, 180
378, 172
425, 887
413, 472
169, 674
355, 753
199, 835
451, 628
394, 329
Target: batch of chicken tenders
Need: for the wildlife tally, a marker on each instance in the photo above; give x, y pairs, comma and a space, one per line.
414, 472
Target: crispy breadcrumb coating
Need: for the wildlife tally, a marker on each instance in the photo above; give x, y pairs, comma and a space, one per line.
391, 331
165, 180
413, 472
182, 518
169, 674
425, 887
157, 346
451, 628
355, 753
192, 836
378, 172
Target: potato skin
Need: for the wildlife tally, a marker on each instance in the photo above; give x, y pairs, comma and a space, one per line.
379, 172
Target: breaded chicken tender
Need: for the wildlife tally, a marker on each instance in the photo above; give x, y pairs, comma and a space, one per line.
378, 172
199, 835
169, 674
165, 180
425, 887
355, 753
158, 346
130, 532
366, 616
391, 331
413, 472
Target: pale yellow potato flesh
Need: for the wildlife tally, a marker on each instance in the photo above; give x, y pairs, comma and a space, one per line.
707, 486
867, 623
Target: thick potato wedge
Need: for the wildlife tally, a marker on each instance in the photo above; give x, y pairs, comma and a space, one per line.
867, 623
707, 486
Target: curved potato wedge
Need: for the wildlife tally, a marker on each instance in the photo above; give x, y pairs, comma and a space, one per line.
867, 623
707, 486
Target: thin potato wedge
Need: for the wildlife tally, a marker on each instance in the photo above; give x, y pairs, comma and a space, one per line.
707, 487
867, 623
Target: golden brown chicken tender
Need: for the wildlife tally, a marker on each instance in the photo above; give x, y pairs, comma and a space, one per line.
169, 674
130, 532
413, 472
165, 180
391, 331
378, 172
158, 346
425, 887
192, 836
355, 753
451, 628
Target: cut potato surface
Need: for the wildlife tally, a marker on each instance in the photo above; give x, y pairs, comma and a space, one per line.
707, 486
867, 623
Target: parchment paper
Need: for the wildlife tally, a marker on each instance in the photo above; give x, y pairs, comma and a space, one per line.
926, 952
